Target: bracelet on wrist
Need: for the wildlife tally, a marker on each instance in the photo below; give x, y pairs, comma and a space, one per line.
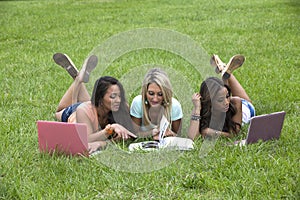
196, 117
109, 130
218, 133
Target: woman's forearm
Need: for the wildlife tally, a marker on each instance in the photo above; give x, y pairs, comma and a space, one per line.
193, 130
101, 135
214, 133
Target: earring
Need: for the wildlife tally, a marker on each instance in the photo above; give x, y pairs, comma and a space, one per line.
146, 101
165, 103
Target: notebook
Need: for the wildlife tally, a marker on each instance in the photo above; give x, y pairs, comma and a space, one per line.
177, 143
61, 137
264, 127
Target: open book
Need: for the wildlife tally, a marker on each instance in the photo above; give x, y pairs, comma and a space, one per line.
177, 143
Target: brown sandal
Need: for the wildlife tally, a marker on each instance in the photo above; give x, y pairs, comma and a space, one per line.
234, 63
215, 61
88, 66
64, 61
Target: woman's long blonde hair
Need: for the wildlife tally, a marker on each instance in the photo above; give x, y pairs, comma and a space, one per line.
159, 77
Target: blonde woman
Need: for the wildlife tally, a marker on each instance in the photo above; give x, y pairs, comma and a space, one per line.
155, 101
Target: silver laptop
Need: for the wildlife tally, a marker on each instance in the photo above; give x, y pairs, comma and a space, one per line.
263, 128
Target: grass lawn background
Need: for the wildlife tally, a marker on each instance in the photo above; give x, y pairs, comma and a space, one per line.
266, 32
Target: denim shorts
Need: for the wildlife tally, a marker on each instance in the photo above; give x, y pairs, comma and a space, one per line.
248, 111
68, 111
250, 106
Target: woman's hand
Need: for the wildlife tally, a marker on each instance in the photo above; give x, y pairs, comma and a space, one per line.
169, 133
122, 133
155, 134
196, 99
193, 130
94, 146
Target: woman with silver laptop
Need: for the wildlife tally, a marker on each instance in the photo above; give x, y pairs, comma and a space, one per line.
222, 106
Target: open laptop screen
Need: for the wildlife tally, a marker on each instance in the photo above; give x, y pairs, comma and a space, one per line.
265, 127
61, 137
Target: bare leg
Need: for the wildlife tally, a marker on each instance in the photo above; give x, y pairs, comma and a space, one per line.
77, 92
236, 88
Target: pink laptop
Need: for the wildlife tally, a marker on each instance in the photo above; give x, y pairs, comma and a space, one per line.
264, 127
61, 137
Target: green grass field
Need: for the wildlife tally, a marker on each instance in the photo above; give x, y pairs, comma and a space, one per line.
265, 31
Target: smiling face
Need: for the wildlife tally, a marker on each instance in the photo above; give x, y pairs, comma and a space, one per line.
221, 101
154, 95
112, 99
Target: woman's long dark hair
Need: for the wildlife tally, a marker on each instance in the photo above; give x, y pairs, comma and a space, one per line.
122, 116
208, 91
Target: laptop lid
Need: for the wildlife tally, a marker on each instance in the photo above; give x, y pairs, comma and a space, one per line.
265, 127
61, 137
